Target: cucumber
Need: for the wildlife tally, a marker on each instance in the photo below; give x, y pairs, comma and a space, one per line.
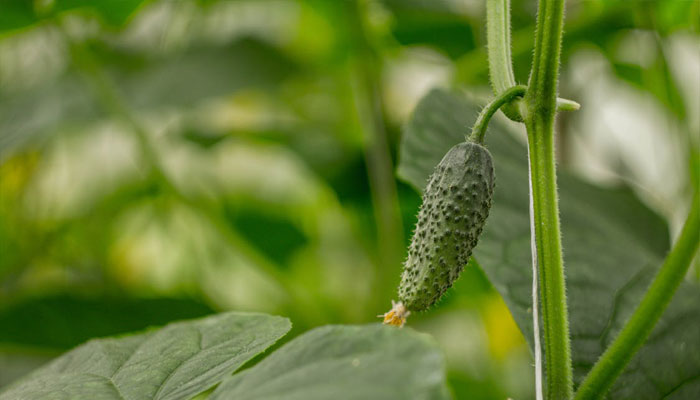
455, 206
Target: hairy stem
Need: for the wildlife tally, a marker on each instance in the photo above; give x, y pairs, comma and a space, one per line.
550, 266
498, 38
482, 122
500, 61
639, 326
541, 103
535, 292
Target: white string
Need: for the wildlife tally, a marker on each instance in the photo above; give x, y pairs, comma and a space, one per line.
535, 302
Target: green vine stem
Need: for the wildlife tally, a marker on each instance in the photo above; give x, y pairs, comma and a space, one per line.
540, 103
501, 73
637, 329
482, 122
500, 61
550, 266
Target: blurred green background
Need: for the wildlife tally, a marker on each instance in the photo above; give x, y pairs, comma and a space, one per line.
162, 160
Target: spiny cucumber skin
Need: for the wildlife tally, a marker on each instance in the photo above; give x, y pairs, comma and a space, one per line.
455, 206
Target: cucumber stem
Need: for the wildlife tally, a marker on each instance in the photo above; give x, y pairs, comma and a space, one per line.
482, 122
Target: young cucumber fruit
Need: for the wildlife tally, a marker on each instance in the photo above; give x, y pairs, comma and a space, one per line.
455, 205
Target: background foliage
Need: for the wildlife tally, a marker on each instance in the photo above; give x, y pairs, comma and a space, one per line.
247, 163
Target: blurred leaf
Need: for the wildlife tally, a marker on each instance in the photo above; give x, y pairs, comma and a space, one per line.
178, 361
613, 246
468, 387
201, 72
343, 363
15, 365
630, 72
671, 16
30, 115
433, 23
656, 17
201, 138
274, 236
113, 12
451, 34
179, 80
15, 14
656, 80
64, 321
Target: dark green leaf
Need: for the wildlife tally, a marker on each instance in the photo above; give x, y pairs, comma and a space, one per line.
63, 321
613, 246
434, 23
113, 12
205, 140
177, 362
256, 226
345, 363
16, 14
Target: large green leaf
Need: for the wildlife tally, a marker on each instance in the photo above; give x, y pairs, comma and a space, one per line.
63, 321
343, 363
177, 362
613, 245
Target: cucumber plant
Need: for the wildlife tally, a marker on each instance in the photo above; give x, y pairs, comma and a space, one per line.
203, 357
431, 267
